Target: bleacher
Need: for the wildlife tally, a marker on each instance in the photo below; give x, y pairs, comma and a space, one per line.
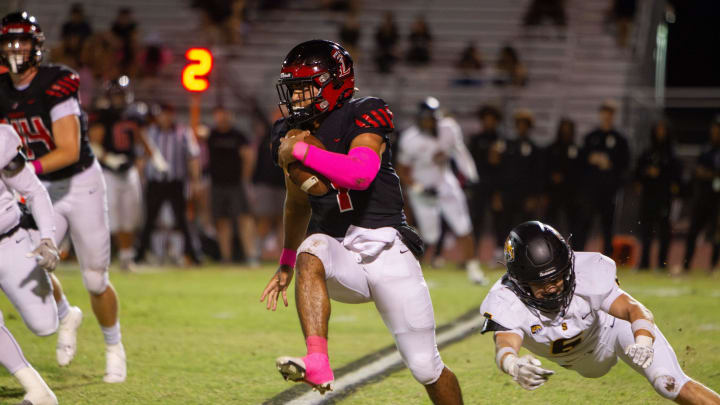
570, 73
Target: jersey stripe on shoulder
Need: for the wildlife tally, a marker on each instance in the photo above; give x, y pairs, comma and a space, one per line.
370, 120
388, 116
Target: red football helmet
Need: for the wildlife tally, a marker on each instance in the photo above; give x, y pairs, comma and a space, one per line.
14, 28
323, 68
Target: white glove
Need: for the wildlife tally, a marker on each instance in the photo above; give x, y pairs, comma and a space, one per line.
641, 352
46, 254
114, 160
159, 162
526, 371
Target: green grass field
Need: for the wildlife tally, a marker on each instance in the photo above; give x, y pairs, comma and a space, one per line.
202, 337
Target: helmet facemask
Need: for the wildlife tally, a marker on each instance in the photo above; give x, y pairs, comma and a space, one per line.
308, 103
559, 301
19, 52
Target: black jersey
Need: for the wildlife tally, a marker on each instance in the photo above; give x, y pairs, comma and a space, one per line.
379, 205
28, 111
121, 134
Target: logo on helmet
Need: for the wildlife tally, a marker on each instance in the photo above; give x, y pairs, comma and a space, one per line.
509, 251
337, 55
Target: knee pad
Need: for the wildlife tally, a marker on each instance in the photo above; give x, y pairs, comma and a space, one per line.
669, 385
317, 245
96, 282
43, 325
425, 368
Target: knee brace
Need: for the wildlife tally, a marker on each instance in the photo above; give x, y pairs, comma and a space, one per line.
96, 282
669, 385
425, 368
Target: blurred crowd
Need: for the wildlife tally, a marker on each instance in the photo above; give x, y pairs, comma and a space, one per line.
579, 178
221, 196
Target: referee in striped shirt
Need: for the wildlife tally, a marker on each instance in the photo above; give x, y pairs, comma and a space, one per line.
177, 144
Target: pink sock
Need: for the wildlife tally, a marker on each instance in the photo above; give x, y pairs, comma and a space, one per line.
316, 344
317, 363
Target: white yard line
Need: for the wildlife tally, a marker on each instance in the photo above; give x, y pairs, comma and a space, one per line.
382, 364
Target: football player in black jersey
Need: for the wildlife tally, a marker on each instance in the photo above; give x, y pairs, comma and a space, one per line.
41, 102
360, 248
115, 133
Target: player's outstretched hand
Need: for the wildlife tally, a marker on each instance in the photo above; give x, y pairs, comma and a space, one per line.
278, 285
46, 254
528, 373
641, 352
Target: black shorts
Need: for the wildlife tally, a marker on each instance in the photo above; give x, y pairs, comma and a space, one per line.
228, 201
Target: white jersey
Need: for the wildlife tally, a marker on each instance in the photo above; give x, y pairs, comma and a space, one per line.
26, 184
418, 150
563, 339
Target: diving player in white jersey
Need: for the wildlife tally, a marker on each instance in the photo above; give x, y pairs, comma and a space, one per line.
424, 154
567, 307
23, 265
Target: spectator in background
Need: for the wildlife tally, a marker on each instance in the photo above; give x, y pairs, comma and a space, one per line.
235, 26
519, 173
485, 194
77, 25
420, 42
231, 162
606, 157
542, 9
508, 68
386, 39
153, 58
268, 192
623, 13
469, 66
350, 34
124, 29
562, 178
177, 145
658, 176
705, 211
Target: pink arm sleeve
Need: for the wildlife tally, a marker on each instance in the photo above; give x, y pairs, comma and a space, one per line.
354, 171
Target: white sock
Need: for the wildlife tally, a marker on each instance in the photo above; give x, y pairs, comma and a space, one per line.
112, 334
30, 379
63, 307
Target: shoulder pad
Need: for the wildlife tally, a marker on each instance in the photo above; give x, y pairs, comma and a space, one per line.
503, 308
596, 276
372, 112
63, 82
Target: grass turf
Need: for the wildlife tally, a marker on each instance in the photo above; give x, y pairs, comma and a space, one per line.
201, 336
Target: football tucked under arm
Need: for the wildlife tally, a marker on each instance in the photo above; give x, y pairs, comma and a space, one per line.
354, 171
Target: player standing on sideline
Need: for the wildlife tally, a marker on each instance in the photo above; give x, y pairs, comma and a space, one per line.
435, 194
41, 102
22, 277
567, 307
359, 248
114, 136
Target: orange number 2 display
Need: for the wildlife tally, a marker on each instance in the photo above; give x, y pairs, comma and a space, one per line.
194, 76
